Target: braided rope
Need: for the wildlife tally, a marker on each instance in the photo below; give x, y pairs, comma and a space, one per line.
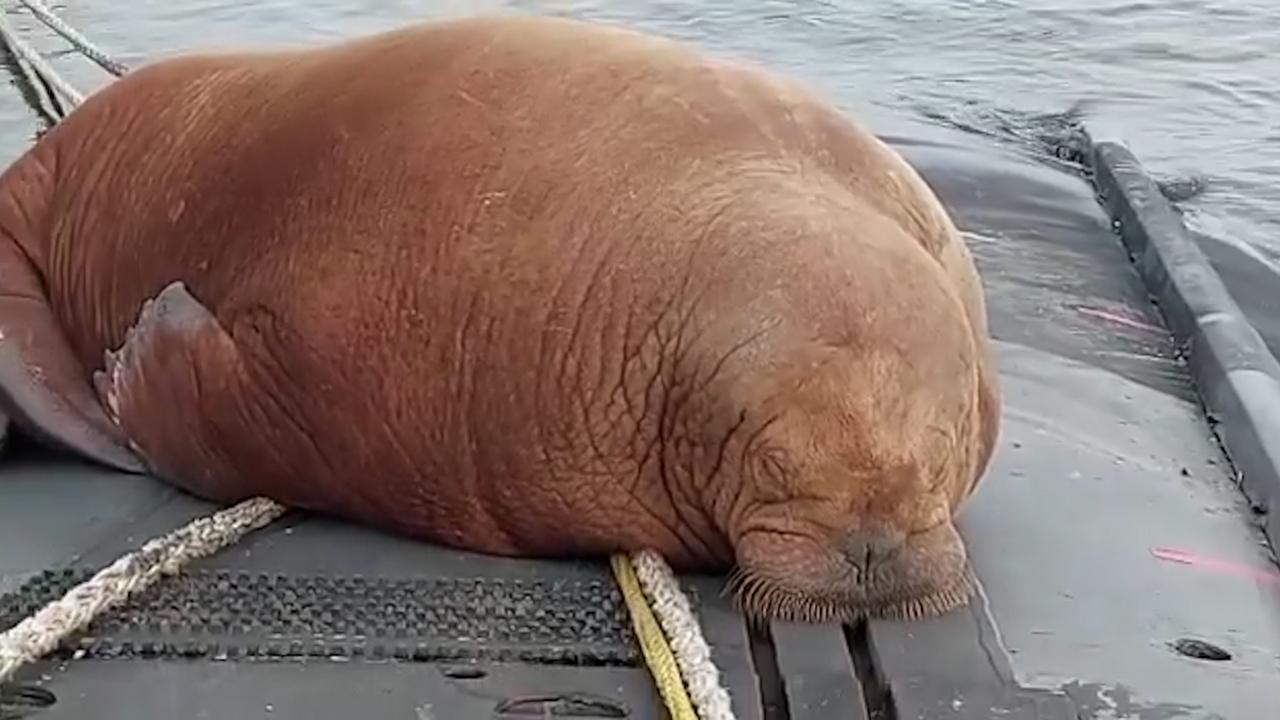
28, 54
692, 653
40, 633
73, 36
658, 655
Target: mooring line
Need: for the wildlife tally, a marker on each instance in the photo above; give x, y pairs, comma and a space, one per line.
27, 54
41, 632
81, 43
39, 96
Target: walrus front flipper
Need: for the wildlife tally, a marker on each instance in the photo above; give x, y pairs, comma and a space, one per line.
42, 384
165, 387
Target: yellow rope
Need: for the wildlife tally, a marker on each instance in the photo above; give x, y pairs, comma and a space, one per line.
653, 643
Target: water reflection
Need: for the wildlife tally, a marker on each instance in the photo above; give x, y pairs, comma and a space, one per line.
1190, 84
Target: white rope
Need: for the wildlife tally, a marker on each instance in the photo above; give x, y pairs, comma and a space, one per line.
81, 43
678, 621
40, 633
28, 54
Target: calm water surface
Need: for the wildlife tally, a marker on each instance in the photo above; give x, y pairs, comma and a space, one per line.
1193, 86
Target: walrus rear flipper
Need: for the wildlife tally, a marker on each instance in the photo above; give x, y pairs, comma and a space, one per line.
43, 386
166, 387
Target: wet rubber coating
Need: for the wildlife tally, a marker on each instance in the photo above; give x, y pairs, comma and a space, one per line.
1107, 479
1237, 375
1105, 457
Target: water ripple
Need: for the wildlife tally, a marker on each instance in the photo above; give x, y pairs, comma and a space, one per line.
1190, 85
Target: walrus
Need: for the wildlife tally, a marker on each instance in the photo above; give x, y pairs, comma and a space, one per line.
517, 285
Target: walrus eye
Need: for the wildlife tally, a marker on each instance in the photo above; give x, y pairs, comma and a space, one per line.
772, 470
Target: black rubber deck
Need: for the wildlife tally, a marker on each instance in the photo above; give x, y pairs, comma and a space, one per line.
233, 615
1105, 458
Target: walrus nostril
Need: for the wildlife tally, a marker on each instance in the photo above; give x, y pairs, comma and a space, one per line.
867, 549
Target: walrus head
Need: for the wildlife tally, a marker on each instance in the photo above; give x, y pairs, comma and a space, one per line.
853, 482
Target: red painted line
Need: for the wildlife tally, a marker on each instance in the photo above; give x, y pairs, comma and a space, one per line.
1186, 557
1117, 318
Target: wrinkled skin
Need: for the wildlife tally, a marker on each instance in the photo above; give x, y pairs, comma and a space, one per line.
527, 287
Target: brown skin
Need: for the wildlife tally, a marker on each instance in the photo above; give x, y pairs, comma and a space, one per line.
523, 286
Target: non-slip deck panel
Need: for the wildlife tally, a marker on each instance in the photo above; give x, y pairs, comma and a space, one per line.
230, 615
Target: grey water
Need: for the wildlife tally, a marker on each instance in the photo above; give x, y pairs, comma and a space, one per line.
1192, 86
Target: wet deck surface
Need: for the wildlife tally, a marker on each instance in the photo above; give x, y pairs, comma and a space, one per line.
1104, 457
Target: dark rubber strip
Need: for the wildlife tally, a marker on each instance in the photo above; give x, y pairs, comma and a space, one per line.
260, 616
877, 698
817, 672
1238, 378
772, 692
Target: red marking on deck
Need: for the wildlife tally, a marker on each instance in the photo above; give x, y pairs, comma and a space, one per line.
1117, 318
1186, 557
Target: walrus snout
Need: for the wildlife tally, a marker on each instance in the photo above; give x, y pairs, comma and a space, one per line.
881, 573
868, 550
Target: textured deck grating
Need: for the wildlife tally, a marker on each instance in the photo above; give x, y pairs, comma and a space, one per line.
247, 616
